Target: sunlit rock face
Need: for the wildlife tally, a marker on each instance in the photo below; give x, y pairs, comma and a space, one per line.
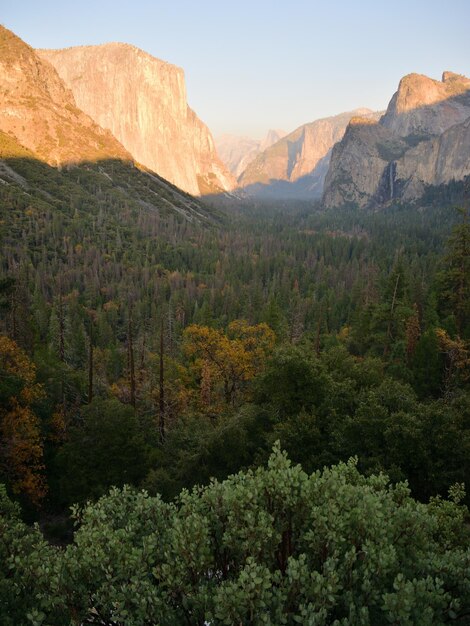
40, 112
296, 164
423, 139
423, 106
142, 101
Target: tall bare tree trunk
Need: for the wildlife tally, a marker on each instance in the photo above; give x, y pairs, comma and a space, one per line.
162, 388
130, 345
389, 327
90, 366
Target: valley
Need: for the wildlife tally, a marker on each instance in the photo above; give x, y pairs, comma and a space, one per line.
234, 373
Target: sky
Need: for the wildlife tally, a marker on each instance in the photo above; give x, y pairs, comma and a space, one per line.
255, 65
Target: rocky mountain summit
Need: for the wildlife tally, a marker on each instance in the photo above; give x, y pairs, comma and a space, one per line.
296, 165
423, 139
142, 101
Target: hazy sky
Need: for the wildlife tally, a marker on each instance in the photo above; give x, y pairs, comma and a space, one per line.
254, 65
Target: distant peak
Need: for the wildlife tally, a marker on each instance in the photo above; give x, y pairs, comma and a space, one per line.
272, 137
276, 131
362, 111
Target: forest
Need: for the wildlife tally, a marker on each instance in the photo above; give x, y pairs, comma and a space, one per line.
236, 421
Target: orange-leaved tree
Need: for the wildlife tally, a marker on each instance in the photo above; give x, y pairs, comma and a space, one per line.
21, 443
457, 355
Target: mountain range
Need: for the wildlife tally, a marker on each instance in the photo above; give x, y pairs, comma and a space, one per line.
115, 102
365, 158
296, 165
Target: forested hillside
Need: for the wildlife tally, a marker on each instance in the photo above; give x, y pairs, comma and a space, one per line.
182, 342
152, 341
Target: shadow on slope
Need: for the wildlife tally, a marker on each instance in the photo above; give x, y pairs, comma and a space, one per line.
308, 187
120, 185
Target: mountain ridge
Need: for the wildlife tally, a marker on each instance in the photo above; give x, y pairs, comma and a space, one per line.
37, 108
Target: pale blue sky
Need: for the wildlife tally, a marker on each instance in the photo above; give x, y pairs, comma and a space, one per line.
256, 65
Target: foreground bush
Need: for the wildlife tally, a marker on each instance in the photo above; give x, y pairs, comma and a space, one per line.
274, 546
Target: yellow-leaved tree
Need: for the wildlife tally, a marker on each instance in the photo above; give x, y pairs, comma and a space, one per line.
224, 362
21, 443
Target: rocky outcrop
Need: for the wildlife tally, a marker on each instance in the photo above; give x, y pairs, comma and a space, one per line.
423, 139
358, 162
423, 106
142, 101
296, 165
40, 112
435, 162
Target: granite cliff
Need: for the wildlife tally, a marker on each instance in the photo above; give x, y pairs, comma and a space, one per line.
54, 156
296, 165
142, 101
423, 139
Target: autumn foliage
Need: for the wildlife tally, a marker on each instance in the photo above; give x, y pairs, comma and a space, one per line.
21, 444
225, 362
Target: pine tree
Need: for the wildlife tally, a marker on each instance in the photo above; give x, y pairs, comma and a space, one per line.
455, 278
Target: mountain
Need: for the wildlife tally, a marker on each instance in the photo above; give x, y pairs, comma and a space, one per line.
40, 112
116, 187
142, 101
272, 136
423, 106
238, 152
54, 157
423, 139
296, 165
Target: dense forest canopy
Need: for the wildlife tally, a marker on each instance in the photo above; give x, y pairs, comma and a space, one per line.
143, 348
271, 546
